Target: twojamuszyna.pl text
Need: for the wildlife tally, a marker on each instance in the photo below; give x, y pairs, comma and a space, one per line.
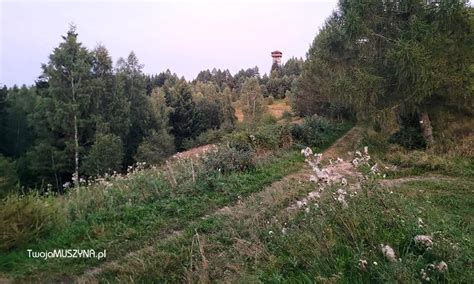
67, 253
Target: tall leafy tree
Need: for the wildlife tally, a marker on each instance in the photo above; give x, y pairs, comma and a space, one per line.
253, 102
68, 73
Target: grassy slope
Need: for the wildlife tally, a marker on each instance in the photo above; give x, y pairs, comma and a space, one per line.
262, 241
127, 227
137, 211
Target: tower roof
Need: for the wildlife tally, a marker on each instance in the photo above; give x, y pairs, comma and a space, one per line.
277, 54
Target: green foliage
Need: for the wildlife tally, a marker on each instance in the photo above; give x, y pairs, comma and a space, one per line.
252, 102
268, 118
25, 219
105, 155
214, 108
385, 60
155, 148
8, 178
227, 160
315, 131
409, 135
183, 114
16, 135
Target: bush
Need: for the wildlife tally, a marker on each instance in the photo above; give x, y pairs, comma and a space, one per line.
227, 160
267, 137
25, 218
409, 135
106, 155
315, 131
268, 118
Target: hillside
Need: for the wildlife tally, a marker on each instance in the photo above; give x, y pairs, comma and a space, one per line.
246, 230
354, 164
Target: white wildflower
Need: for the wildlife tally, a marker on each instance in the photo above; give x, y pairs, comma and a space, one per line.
307, 152
375, 263
363, 264
283, 230
355, 162
341, 198
375, 168
270, 232
420, 222
442, 266
343, 181
306, 210
424, 241
313, 195
424, 275
389, 253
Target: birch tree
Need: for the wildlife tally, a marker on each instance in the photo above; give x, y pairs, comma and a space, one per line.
252, 100
67, 72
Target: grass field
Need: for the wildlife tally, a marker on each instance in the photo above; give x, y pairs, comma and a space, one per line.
241, 227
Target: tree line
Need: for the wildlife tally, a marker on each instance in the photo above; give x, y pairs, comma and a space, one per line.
86, 116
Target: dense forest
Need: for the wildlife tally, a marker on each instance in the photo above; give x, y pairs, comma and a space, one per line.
86, 116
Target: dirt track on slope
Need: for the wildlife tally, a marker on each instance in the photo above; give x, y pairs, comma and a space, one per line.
275, 193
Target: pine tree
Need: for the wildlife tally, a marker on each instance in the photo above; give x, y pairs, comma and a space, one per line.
159, 144
183, 114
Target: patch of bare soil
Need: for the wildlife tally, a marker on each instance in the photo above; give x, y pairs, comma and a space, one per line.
239, 114
344, 145
194, 152
278, 108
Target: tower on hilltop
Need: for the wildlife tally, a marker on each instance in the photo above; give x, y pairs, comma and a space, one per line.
276, 55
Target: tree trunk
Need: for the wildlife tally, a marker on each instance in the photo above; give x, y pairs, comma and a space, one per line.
76, 153
426, 128
76, 136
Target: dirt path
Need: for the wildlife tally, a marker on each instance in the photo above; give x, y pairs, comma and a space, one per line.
400, 181
279, 192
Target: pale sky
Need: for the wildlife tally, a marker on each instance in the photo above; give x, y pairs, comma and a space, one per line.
183, 36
